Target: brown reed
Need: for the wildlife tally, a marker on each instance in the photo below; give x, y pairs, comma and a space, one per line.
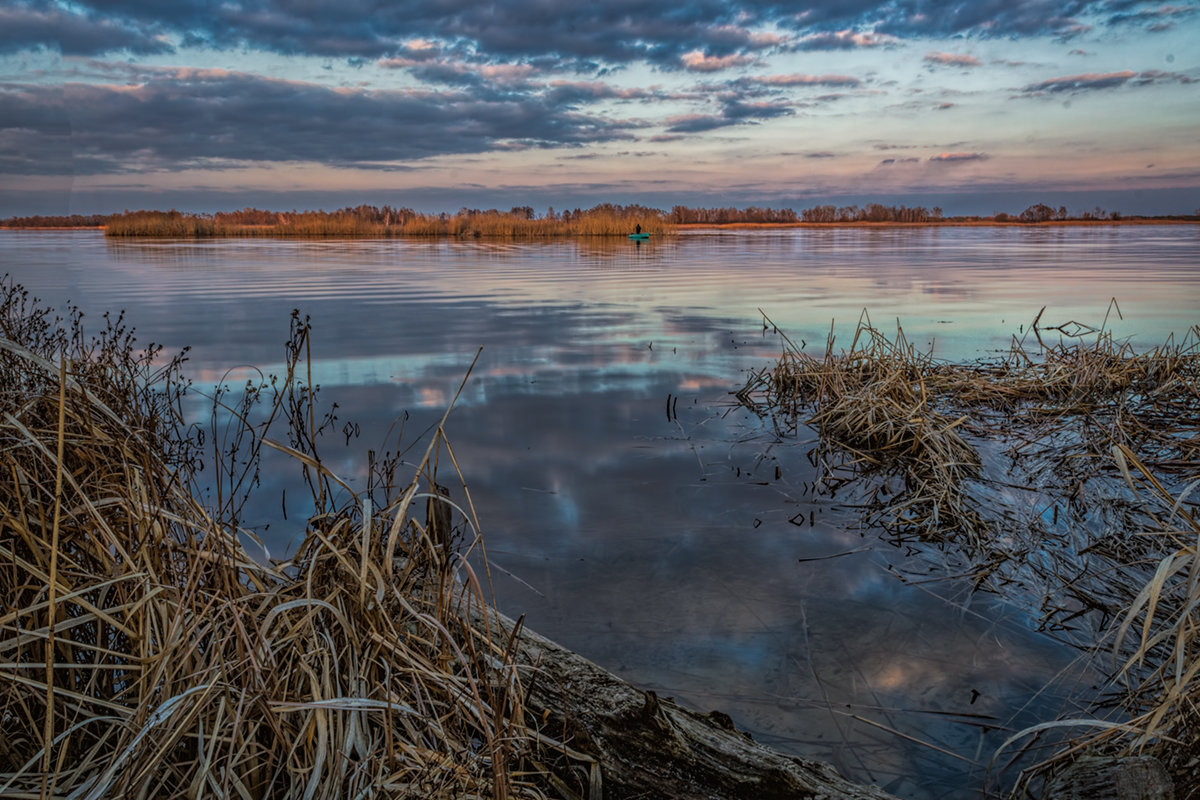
145, 653
1100, 441
605, 220
873, 402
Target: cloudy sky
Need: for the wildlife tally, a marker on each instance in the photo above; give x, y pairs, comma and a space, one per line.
974, 105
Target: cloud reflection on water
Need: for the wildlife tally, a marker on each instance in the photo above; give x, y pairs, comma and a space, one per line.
652, 546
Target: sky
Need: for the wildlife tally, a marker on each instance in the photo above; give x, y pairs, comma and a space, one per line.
975, 106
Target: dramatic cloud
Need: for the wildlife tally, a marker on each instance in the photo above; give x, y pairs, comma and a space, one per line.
952, 60
796, 79
24, 27
734, 112
613, 31
957, 158
1091, 81
1157, 17
842, 40
599, 32
696, 61
353, 85
214, 119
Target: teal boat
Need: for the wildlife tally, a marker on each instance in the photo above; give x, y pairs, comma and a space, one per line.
639, 236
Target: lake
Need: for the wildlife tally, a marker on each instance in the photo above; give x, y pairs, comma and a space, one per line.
665, 545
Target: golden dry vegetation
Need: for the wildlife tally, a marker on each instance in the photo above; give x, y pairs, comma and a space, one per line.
145, 653
1064, 477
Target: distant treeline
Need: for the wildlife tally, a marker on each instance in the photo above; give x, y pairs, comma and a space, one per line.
682, 215
69, 221
521, 221
605, 219
875, 212
1044, 213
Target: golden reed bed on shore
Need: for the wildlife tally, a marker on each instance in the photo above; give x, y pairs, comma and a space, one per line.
604, 220
145, 653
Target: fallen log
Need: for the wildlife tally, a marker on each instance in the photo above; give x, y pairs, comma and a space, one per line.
618, 742
1112, 778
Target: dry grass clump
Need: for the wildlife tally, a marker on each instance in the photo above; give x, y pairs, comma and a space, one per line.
884, 409
145, 653
872, 402
161, 224
1064, 472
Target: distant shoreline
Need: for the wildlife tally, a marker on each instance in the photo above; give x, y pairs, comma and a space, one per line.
685, 226
946, 223
523, 222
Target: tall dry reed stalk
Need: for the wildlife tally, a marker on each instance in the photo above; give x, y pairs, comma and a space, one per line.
143, 651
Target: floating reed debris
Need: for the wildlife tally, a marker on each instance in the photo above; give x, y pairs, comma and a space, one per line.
887, 410
1065, 476
519, 223
145, 653
872, 401
1155, 650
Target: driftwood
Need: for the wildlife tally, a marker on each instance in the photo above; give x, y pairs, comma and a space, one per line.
1100, 778
623, 743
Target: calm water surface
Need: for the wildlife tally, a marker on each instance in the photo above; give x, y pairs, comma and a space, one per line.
662, 548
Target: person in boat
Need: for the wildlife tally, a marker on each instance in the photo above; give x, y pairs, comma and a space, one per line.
637, 228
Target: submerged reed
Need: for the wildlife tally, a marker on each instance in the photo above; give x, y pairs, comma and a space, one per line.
145, 653
1064, 473
873, 402
886, 410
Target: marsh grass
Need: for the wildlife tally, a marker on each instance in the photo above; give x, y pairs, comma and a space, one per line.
875, 412
919, 425
1155, 650
1064, 477
145, 653
605, 220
